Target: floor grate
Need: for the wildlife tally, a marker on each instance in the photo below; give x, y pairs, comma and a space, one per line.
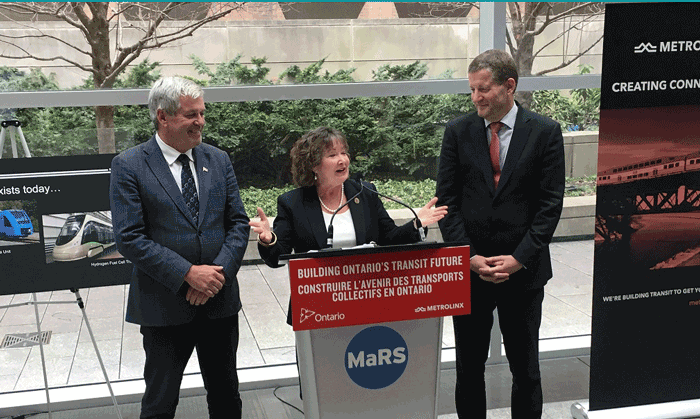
23, 340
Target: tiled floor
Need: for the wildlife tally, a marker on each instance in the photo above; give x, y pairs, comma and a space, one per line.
265, 337
274, 403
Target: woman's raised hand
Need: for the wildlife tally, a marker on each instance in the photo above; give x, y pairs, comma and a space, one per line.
262, 227
430, 214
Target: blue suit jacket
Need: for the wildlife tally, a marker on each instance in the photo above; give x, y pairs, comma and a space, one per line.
156, 232
519, 217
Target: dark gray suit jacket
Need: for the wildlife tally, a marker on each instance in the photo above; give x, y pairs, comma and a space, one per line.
156, 232
518, 218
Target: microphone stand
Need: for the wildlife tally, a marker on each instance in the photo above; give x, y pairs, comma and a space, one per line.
329, 240
419, 225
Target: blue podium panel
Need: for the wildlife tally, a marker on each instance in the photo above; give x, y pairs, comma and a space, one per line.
385, 370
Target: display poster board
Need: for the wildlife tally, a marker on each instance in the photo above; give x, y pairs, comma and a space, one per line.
646, 288
55, 225
356, 289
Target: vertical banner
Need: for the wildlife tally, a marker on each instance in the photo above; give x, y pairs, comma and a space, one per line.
646, 288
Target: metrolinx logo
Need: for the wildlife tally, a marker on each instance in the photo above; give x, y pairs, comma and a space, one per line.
668, 46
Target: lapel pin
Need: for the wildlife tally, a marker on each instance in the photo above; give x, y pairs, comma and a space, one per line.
357, 200
205, 169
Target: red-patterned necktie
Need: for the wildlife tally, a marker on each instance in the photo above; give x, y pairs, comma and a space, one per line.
494, 151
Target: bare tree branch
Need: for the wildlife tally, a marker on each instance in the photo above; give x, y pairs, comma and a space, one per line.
28, 55
568, 62
576, 26
43, 35
549, 20
27, 9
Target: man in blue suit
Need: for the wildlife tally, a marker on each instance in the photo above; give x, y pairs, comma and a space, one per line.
179, 219
502, 177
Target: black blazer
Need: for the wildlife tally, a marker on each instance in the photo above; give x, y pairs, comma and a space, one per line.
300, 226
518, 218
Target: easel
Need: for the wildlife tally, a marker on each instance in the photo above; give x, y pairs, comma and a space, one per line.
16, 128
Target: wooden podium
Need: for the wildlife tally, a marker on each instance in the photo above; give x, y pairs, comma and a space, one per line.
368, 325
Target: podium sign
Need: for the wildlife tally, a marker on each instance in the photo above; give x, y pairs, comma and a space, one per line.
351, 290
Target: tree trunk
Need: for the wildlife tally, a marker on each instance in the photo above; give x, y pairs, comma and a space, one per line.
105, 129
523, 25
102, 65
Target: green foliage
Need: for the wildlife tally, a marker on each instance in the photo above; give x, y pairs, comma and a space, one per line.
133, 123
577, 111
389, 137
232, 72
413, 71
64, 131
143, 75
310, 74
11, 79
413, 193
266, 199
14, 80
580, 186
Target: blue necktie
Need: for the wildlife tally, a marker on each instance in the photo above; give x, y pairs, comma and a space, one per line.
189, 190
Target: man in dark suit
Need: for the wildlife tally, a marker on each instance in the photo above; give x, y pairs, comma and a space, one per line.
502, 177
179, 219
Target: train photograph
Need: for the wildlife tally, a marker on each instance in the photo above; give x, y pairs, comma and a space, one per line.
79, 236
648, 188
16, 223
650, 169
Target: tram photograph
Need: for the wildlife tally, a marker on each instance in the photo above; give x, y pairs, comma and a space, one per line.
81, 236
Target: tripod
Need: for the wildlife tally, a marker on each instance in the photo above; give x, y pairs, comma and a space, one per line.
15, 127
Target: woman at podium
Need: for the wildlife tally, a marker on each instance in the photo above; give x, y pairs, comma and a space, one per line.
328, 209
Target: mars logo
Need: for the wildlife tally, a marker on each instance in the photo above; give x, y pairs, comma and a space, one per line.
376, 357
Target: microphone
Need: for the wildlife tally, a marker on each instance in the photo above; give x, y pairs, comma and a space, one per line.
416, 220
329, 240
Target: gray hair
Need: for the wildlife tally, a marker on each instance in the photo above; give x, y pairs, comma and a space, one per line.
166, 92
501, 65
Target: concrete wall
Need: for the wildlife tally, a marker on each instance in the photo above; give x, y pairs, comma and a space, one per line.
443, 44
581, 153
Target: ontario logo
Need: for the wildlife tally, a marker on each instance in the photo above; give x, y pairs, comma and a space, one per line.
376, 357
310, 314
305, 315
